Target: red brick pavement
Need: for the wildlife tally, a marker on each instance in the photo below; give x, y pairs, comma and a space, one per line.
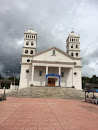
47, 114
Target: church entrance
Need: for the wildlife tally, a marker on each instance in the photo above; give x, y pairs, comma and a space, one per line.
51, 82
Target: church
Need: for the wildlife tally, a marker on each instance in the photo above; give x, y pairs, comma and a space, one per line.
51, 67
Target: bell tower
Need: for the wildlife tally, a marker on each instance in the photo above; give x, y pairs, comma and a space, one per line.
30, 40
29, 46
29, 49
73, 45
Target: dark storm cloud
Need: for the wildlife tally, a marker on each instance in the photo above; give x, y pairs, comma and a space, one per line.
53, 20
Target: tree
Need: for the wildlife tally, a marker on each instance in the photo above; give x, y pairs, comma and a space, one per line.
1, 77
14, 79
84, 81
94, 79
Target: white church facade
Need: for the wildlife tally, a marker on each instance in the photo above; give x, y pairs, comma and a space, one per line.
52, 67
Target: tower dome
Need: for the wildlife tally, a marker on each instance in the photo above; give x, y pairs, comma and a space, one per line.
30, 31
72, 34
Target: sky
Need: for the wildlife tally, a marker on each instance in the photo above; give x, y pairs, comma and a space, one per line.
53, 20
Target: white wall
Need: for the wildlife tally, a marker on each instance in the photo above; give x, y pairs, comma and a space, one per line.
77, 79
39, 80
6, 91
48, 56
68, 80
25, 77
24, 59
65, 81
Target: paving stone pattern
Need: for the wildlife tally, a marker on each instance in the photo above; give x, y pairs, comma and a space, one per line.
47, 114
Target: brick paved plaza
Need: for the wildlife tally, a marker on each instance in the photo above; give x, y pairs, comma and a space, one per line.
47, 114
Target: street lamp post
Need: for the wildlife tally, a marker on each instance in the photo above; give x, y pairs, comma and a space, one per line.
7, 71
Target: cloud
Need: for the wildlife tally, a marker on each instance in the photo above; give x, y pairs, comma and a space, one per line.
90, 59
53, 20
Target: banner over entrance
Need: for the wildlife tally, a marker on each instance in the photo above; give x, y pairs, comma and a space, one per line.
52, 75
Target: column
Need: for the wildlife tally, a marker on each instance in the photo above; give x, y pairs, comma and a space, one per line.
59, 74
60, 71
32, 73
72, 76
0, 85
46, 73
46, 69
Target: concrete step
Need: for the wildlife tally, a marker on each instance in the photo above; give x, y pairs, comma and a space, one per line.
48, 92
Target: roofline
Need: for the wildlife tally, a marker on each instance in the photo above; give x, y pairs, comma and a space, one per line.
78, 66
30, 47
26, 55
25, 63
73, 36
64, 53
30, 39
30, 33
53, 62
74, 50
78, 58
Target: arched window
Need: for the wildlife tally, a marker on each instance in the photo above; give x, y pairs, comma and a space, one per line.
32, 36
75, 73
77, 54
31, 52
76, 46
27, 43
72, 46
28, 60
28, 36
32, 43
72, 54
72, 40
26, 51
27, 71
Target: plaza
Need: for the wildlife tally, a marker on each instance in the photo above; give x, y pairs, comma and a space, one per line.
47, 114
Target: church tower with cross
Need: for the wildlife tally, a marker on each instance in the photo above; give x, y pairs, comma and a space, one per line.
73, 45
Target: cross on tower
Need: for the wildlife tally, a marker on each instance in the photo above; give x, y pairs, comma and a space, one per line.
31, 27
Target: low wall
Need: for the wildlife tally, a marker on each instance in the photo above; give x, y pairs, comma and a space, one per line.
12, 88
6, 90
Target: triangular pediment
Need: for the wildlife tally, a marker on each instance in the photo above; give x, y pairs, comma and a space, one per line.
47, 55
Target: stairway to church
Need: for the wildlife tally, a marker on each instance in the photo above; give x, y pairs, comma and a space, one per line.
48, 92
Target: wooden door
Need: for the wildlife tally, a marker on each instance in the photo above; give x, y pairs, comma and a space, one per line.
51, 82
